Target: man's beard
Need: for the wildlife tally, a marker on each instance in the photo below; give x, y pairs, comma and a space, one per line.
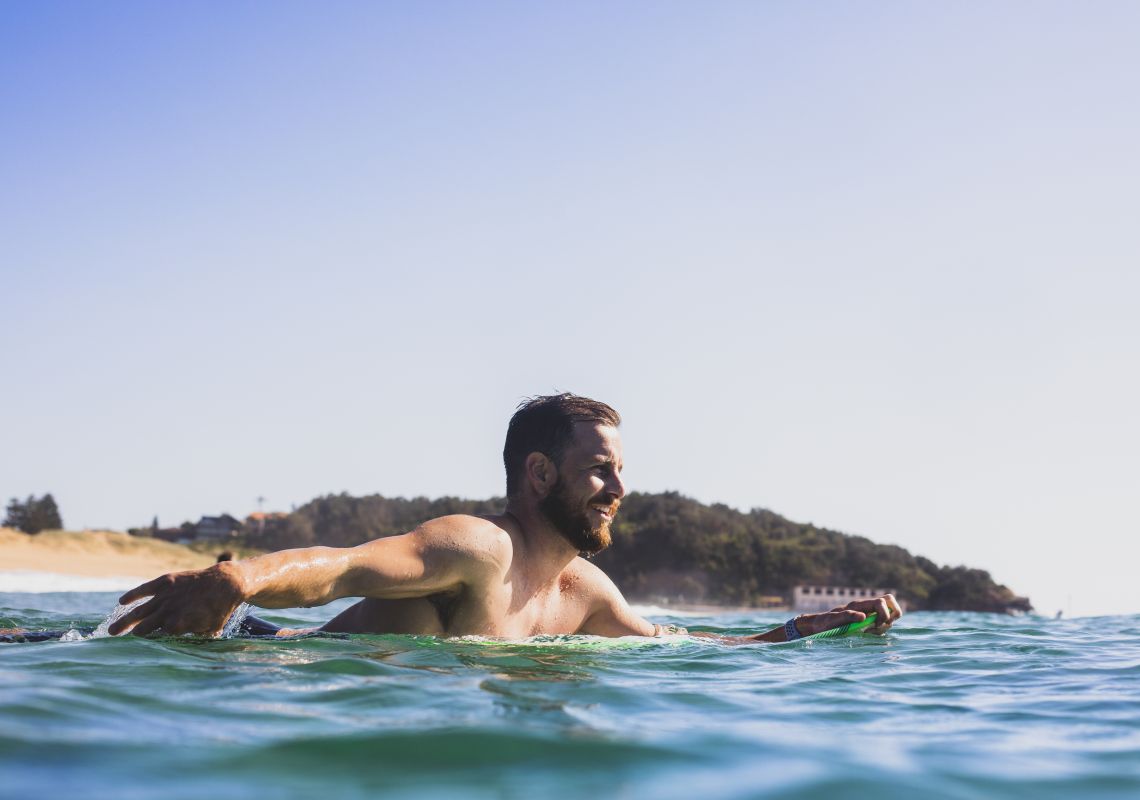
573, 522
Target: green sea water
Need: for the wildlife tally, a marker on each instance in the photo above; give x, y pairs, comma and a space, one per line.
944, 706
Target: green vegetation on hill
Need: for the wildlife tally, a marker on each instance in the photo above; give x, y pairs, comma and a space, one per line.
667, 546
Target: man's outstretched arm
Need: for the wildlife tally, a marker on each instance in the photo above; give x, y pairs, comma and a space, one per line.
613, 617
886, 609
416, 564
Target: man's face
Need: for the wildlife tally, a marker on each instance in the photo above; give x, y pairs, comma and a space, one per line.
585, 497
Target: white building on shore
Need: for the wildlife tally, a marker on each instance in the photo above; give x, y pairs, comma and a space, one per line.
810, 599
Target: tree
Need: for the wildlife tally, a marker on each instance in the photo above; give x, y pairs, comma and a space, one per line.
47, 514
34, 515
17, 514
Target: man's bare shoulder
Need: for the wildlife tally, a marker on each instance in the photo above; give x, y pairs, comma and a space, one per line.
591, 583
606, 611
483, 538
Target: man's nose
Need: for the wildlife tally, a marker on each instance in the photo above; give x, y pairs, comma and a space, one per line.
615, 485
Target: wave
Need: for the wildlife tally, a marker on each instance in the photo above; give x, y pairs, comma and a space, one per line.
44, 582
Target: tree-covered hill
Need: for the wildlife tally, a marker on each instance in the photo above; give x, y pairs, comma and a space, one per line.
667, 546
670, 545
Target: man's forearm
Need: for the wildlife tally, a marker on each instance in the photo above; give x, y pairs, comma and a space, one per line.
201, 600
805, 625
774, 635
310, 576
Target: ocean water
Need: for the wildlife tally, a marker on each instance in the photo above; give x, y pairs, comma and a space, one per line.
944, 706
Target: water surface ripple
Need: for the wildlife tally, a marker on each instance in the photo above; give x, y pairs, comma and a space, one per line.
945, 706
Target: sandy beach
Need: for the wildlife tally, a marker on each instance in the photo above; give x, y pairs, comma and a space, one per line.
95, 554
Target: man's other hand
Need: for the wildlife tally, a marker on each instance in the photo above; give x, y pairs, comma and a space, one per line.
886, 607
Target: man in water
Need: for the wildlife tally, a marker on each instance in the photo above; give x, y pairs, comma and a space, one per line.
511, 575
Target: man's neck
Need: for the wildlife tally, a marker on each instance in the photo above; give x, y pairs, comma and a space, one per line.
547, 551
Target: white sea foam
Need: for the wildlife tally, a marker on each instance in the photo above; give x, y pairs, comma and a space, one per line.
233, 624
40, 582
119, 612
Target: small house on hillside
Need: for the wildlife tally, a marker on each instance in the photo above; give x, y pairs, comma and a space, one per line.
259, 519
216, 527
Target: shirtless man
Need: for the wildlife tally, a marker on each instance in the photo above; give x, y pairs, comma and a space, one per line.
511, 575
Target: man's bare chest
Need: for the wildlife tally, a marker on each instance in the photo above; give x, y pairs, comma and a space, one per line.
515, 610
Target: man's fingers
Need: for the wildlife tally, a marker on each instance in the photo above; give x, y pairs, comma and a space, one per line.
148, 625
147, 589
133, 616
893, 605
883, 619
888, 609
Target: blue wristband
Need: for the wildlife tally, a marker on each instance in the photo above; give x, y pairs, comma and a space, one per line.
791, 632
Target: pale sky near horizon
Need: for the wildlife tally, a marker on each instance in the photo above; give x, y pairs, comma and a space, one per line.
872, 266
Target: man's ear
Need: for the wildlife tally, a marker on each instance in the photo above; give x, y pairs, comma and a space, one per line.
541, 474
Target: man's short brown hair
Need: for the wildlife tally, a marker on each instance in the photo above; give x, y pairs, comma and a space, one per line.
545, 425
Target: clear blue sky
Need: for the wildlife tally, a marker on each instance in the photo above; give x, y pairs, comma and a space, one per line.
872, 266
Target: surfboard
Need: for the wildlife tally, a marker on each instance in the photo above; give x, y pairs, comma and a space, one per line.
843, 630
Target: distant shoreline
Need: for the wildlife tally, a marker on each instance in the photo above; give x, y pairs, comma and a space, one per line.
95, 554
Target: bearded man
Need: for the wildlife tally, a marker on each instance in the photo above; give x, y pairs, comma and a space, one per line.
512, 575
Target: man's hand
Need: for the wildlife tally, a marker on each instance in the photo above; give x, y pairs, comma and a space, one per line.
199, 601
886, 607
